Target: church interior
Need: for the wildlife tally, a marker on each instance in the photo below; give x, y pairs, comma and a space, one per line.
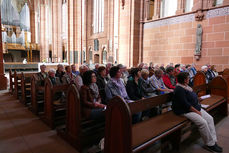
114, 76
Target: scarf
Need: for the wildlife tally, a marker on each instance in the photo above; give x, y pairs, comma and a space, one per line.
185, 87
94, 89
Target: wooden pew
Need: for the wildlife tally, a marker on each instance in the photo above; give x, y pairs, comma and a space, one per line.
12, 85
37, 96
54, 114
200, 79
225, 75
17, 84
78, 131
26, 88
123, 137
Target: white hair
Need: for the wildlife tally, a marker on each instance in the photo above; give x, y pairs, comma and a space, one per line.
204, 67
52, 71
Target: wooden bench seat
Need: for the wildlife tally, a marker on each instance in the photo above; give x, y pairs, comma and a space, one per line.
123, 137
168, 122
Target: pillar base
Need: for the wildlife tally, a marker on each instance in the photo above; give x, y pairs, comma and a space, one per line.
3, 82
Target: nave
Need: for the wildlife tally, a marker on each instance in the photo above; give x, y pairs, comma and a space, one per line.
23, 132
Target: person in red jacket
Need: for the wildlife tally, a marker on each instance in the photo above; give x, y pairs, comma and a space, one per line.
168, 78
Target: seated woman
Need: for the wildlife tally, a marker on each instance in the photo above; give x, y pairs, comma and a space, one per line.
186, 103
133, 86
168, 78
101, 82
90, 98
147, 87
115, 86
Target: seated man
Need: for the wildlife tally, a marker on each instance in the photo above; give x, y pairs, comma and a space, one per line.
158, 82
186, 103
73, 67
40, 76
168, 78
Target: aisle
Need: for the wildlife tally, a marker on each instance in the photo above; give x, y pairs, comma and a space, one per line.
23, 132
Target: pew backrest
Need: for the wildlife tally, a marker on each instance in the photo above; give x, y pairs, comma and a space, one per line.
73, 114
198, 80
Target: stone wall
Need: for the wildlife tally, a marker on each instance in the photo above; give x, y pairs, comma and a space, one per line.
172, 40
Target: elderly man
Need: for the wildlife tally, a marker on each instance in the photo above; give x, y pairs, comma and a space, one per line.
79, 80
74, 71
158, 83
40, 76
96, 68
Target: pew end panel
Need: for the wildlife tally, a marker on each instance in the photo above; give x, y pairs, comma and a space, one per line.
118, 137
48, 115
79, 132
219, 86
37, 96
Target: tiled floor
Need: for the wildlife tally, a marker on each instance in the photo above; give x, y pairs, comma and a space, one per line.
23, 132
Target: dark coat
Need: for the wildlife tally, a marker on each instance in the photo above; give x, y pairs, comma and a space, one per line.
87, 100
133, 89
183, 100
101, 85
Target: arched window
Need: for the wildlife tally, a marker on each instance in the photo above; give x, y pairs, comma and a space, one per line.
98, 16
218, 2
90, 55
168, 8
188, 5
104, 56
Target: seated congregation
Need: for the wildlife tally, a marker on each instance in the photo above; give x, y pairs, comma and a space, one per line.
98, 89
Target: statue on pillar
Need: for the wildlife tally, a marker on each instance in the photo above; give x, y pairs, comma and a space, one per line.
199, 33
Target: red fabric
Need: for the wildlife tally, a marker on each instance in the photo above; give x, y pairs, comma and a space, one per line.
167, 82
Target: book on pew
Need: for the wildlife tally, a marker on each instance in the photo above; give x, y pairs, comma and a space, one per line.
204, 106
205, 97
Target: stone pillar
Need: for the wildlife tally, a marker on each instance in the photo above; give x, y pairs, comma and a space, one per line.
157, 4
57, 29
44, 45
32, 20
72, 28
180, 6
3, 79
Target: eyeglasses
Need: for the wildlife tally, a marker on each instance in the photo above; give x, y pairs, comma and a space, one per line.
93, 76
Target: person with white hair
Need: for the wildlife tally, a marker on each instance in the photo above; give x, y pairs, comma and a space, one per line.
51, 75
96, 68
204, 69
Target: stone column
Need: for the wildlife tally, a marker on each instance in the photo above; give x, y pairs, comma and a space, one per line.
180, 7
32, 20
44, 47
3, 79
57, 29
157, 4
